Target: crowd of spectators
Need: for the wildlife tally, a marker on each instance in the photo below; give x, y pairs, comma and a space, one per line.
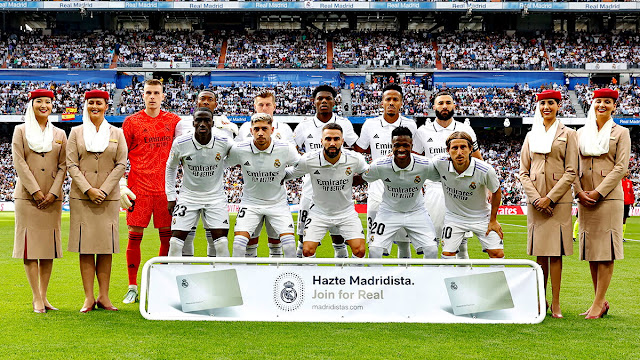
197, 47
574, 50
236, 99
474, 50
518, 100
460, 50
628, 102
76, 50
366, 98
276, 49
383, 49
14, 95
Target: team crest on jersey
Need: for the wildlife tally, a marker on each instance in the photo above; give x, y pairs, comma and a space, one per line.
218, 157
278, 136
348, 171
472, 186
417, 179
277, 163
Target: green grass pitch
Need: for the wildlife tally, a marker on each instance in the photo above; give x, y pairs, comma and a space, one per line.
125, 334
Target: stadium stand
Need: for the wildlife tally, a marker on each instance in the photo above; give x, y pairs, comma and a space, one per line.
14, 95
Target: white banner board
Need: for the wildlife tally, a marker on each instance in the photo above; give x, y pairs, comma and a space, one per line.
421, 294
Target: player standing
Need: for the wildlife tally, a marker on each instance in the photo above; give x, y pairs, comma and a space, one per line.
149, 134
265, 102
202, 192
402, 206
308, 135
263, 161
465, 181
375, 139
331, 173
431, 140
207, 99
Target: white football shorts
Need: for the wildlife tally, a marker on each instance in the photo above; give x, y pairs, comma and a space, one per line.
214, 216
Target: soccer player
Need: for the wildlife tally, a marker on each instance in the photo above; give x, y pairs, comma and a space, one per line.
375, 139
202, 192
308, 135
263, 161
402, 206
331, 171
265, 102
431, 141
465, 181
208, 99
149, 134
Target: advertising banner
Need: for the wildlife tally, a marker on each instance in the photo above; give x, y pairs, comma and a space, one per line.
235, 290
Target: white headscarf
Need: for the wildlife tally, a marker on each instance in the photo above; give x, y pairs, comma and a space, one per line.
594, 142
40, 141
540, 139
94, 141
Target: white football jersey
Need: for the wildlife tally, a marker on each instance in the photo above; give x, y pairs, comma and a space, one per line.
202, 168
431, 138
331, 183
465, 195
281, 131
263, 171
402, 187
376, 134
308, 135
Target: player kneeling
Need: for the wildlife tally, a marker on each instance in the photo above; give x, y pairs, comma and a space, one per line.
331, 170
402, 206
202, 192
465, 181
263, 161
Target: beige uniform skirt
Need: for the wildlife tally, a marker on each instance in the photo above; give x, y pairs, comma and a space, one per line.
601, 231
550, 236
94, 228
37, 234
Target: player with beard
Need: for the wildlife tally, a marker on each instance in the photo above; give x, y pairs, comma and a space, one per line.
331, 172
375, 139
431, 141
308, 135
466, 181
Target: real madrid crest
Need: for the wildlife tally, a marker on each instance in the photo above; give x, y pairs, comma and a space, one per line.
348, 171
417, 179
278, 136
218, 157
472, 186
277, 163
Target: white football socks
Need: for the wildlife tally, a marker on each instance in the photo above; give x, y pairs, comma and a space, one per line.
288, 243
221, 246
239, 246
175, 246
252, 251
187, 249
463, 253
340, 251
404, 250
275, 250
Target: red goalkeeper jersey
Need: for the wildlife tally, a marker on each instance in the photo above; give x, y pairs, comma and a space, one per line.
149, 140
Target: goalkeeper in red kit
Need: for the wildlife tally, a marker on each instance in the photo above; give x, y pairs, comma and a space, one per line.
149, 134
